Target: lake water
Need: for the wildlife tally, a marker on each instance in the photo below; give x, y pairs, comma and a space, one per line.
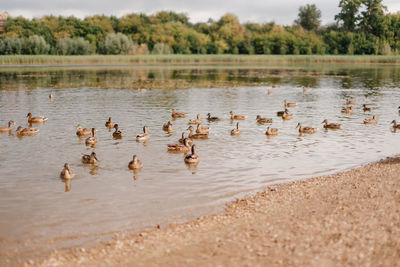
38, 211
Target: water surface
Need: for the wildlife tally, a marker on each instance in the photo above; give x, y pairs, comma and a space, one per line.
38, 211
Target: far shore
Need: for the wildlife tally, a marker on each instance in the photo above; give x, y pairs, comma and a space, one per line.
346, 219
40, 60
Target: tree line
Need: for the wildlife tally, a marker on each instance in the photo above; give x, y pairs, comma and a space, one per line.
361, 27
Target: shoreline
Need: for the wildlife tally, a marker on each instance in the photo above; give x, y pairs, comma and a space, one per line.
351, 217
180, 59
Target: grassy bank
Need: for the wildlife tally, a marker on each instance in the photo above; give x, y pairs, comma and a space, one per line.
192, 59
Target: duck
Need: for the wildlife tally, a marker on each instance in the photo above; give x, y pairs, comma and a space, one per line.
271, 131
66, 172
182, 140
143, 137
26, 131
263, 120
235, 131
192, 158
117, 134
372, 120
348, 110
200, 129
167, 126
92, 139
237, 117
198, 120
350, 102
280, 113
287, 116
35, 119
288, 104
135, 163
196, 135
51, 96
7, 128
395, 125
176, 114
209, 118
185, 147
90, 159
365, 108
308, 130
83, 131
109, 123
330, 125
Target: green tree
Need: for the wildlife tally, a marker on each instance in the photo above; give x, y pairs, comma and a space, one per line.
309, 17
373, 17
348, 16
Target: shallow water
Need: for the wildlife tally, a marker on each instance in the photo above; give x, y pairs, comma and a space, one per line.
36, 212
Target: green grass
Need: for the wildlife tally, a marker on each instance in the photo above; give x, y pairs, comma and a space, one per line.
193, 59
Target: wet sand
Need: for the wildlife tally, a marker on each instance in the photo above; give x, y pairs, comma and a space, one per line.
350, 218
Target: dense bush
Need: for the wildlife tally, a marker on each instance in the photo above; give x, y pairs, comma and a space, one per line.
117, 44
68, 46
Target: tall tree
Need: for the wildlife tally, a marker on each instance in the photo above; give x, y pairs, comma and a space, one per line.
348, 16
309, 17
373, 17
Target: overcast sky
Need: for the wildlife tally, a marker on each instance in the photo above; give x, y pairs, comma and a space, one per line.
280, 11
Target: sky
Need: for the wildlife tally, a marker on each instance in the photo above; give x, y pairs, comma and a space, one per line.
282, 12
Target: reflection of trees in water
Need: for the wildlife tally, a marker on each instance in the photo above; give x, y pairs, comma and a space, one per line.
163, 77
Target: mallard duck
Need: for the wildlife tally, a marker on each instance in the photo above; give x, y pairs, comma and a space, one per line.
182, 140
66, 172
280, 113
307, 130
204, 130
235, 131
365, 108
26, 131
192, 158
330, 125
82, 131
135, 163
92, 139
263, 120
348, 110
176, 114
167, 127
143, 137
395, 125
372, 120
271, 131
196, 121
209, 118
35, 119
185, 147
196, 135
90, 159
237, 117
350, 102
5, 128
117, 134
288, 104
109, 123
287, 116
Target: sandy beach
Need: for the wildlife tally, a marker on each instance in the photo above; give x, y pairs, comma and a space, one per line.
350, 218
